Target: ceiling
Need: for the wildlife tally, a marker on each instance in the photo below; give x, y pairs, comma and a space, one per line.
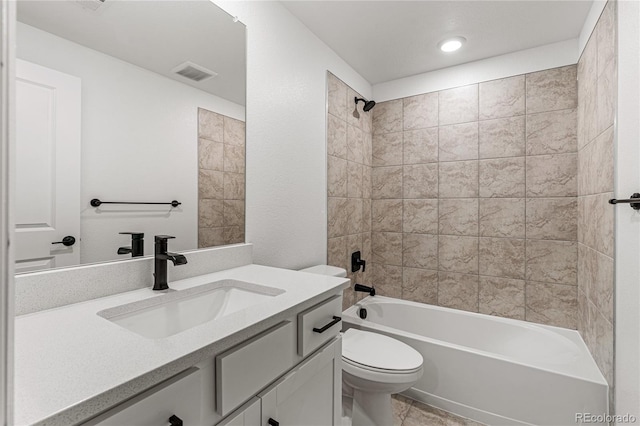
387, 40
155, 35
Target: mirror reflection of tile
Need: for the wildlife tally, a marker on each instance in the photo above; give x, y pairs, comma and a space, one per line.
221, 167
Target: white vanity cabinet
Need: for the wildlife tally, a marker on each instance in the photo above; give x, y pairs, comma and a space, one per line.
288, 375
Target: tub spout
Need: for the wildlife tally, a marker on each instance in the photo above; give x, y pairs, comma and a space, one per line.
365, 289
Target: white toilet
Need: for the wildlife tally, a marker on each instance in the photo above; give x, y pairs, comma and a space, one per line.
374, 366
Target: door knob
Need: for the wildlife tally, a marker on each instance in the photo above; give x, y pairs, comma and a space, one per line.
67, 241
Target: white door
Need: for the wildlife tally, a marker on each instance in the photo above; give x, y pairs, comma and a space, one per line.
47, 200
627, 251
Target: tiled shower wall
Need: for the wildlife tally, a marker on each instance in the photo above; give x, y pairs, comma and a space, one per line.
474, 197
221, 176
348, 181
597, 85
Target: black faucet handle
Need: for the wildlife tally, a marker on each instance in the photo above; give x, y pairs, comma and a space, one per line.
160, 238
134, 235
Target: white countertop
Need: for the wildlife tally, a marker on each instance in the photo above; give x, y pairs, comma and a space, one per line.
71, 364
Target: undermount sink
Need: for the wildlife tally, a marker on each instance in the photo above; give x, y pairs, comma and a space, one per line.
177, 311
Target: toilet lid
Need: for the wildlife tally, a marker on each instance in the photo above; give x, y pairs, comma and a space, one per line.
378, 351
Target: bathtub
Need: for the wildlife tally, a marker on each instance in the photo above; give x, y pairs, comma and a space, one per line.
493, 370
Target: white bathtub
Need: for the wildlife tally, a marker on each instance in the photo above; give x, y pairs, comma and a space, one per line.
493, 370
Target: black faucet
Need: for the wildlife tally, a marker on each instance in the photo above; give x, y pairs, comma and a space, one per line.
137, 244
160, 264
365, 289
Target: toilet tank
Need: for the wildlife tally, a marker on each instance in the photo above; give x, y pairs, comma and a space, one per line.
333, 271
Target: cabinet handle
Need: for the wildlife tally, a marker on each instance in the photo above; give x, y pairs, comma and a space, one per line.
328, 326
273, 422
175, 420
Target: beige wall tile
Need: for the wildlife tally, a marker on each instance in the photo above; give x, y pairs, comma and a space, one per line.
234, 131
602, 288
458, 291
336, 137
420, 181
387, 117
210, 184
354, 180
502, 177
209, 237
420, 285
552, 261
502, 257
388, 280
387, 149
551, 90
458, 105
367, 148
210, 155
503, 137
596, 165
210, 213
587, 83
234, 213
458, 179
605, 34
336, 217
386, 182
386, 248
502, 217
604, 223
386, 215
234, 186
366, 182
420, 111
337, 97
552, 304
587, 269
233, 234
420, 146
552, 132
502, 297
458, 254
458, 142
336, 177
606, 97
552, 175
234, 158
354, 215
603, 346
420, 251
210, 125
354, 144
337, 252
502, 98
552, 218
420, 216
366, 215
458, 216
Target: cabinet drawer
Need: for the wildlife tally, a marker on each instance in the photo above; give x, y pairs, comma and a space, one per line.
242, 371
178, 396
318, 317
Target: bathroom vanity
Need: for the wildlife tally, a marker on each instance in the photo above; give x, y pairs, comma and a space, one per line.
259, 363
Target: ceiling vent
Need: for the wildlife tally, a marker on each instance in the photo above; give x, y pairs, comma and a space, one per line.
194, 72
92, 5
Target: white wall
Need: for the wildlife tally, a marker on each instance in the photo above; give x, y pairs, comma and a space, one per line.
521, 62
286, 126
139, 143
627, 233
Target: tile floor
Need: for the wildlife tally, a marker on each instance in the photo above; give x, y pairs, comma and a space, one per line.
407, 412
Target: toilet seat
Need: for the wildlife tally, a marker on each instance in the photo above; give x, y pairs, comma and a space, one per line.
378, 353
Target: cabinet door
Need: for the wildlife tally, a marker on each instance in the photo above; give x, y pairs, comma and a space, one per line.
179, 396
247, 415
310, 394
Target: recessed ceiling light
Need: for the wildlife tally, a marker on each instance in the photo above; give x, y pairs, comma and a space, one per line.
451, 44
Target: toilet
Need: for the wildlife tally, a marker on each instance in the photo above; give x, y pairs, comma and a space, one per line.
374, 366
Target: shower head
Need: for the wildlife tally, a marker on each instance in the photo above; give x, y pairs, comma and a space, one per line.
368, 105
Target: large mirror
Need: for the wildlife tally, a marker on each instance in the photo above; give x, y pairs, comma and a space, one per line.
121, 103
